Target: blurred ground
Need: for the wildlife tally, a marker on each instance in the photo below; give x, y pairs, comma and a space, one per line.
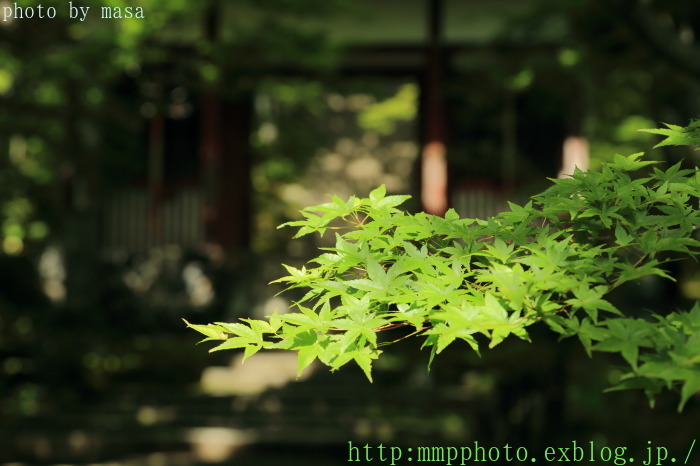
494, 400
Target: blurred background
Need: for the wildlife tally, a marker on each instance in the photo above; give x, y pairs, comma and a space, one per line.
146, 163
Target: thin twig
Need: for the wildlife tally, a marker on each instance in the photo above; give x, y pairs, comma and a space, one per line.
404, 337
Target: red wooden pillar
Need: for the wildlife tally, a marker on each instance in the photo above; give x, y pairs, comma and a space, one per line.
225, 156
234, 200
433, 161
210, 156
156, 165
225, 159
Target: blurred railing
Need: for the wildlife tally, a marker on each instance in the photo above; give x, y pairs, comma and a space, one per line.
479, 201
132, 222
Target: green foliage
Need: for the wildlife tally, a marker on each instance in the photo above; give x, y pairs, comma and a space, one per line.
382, 116
552, 261
679, 135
